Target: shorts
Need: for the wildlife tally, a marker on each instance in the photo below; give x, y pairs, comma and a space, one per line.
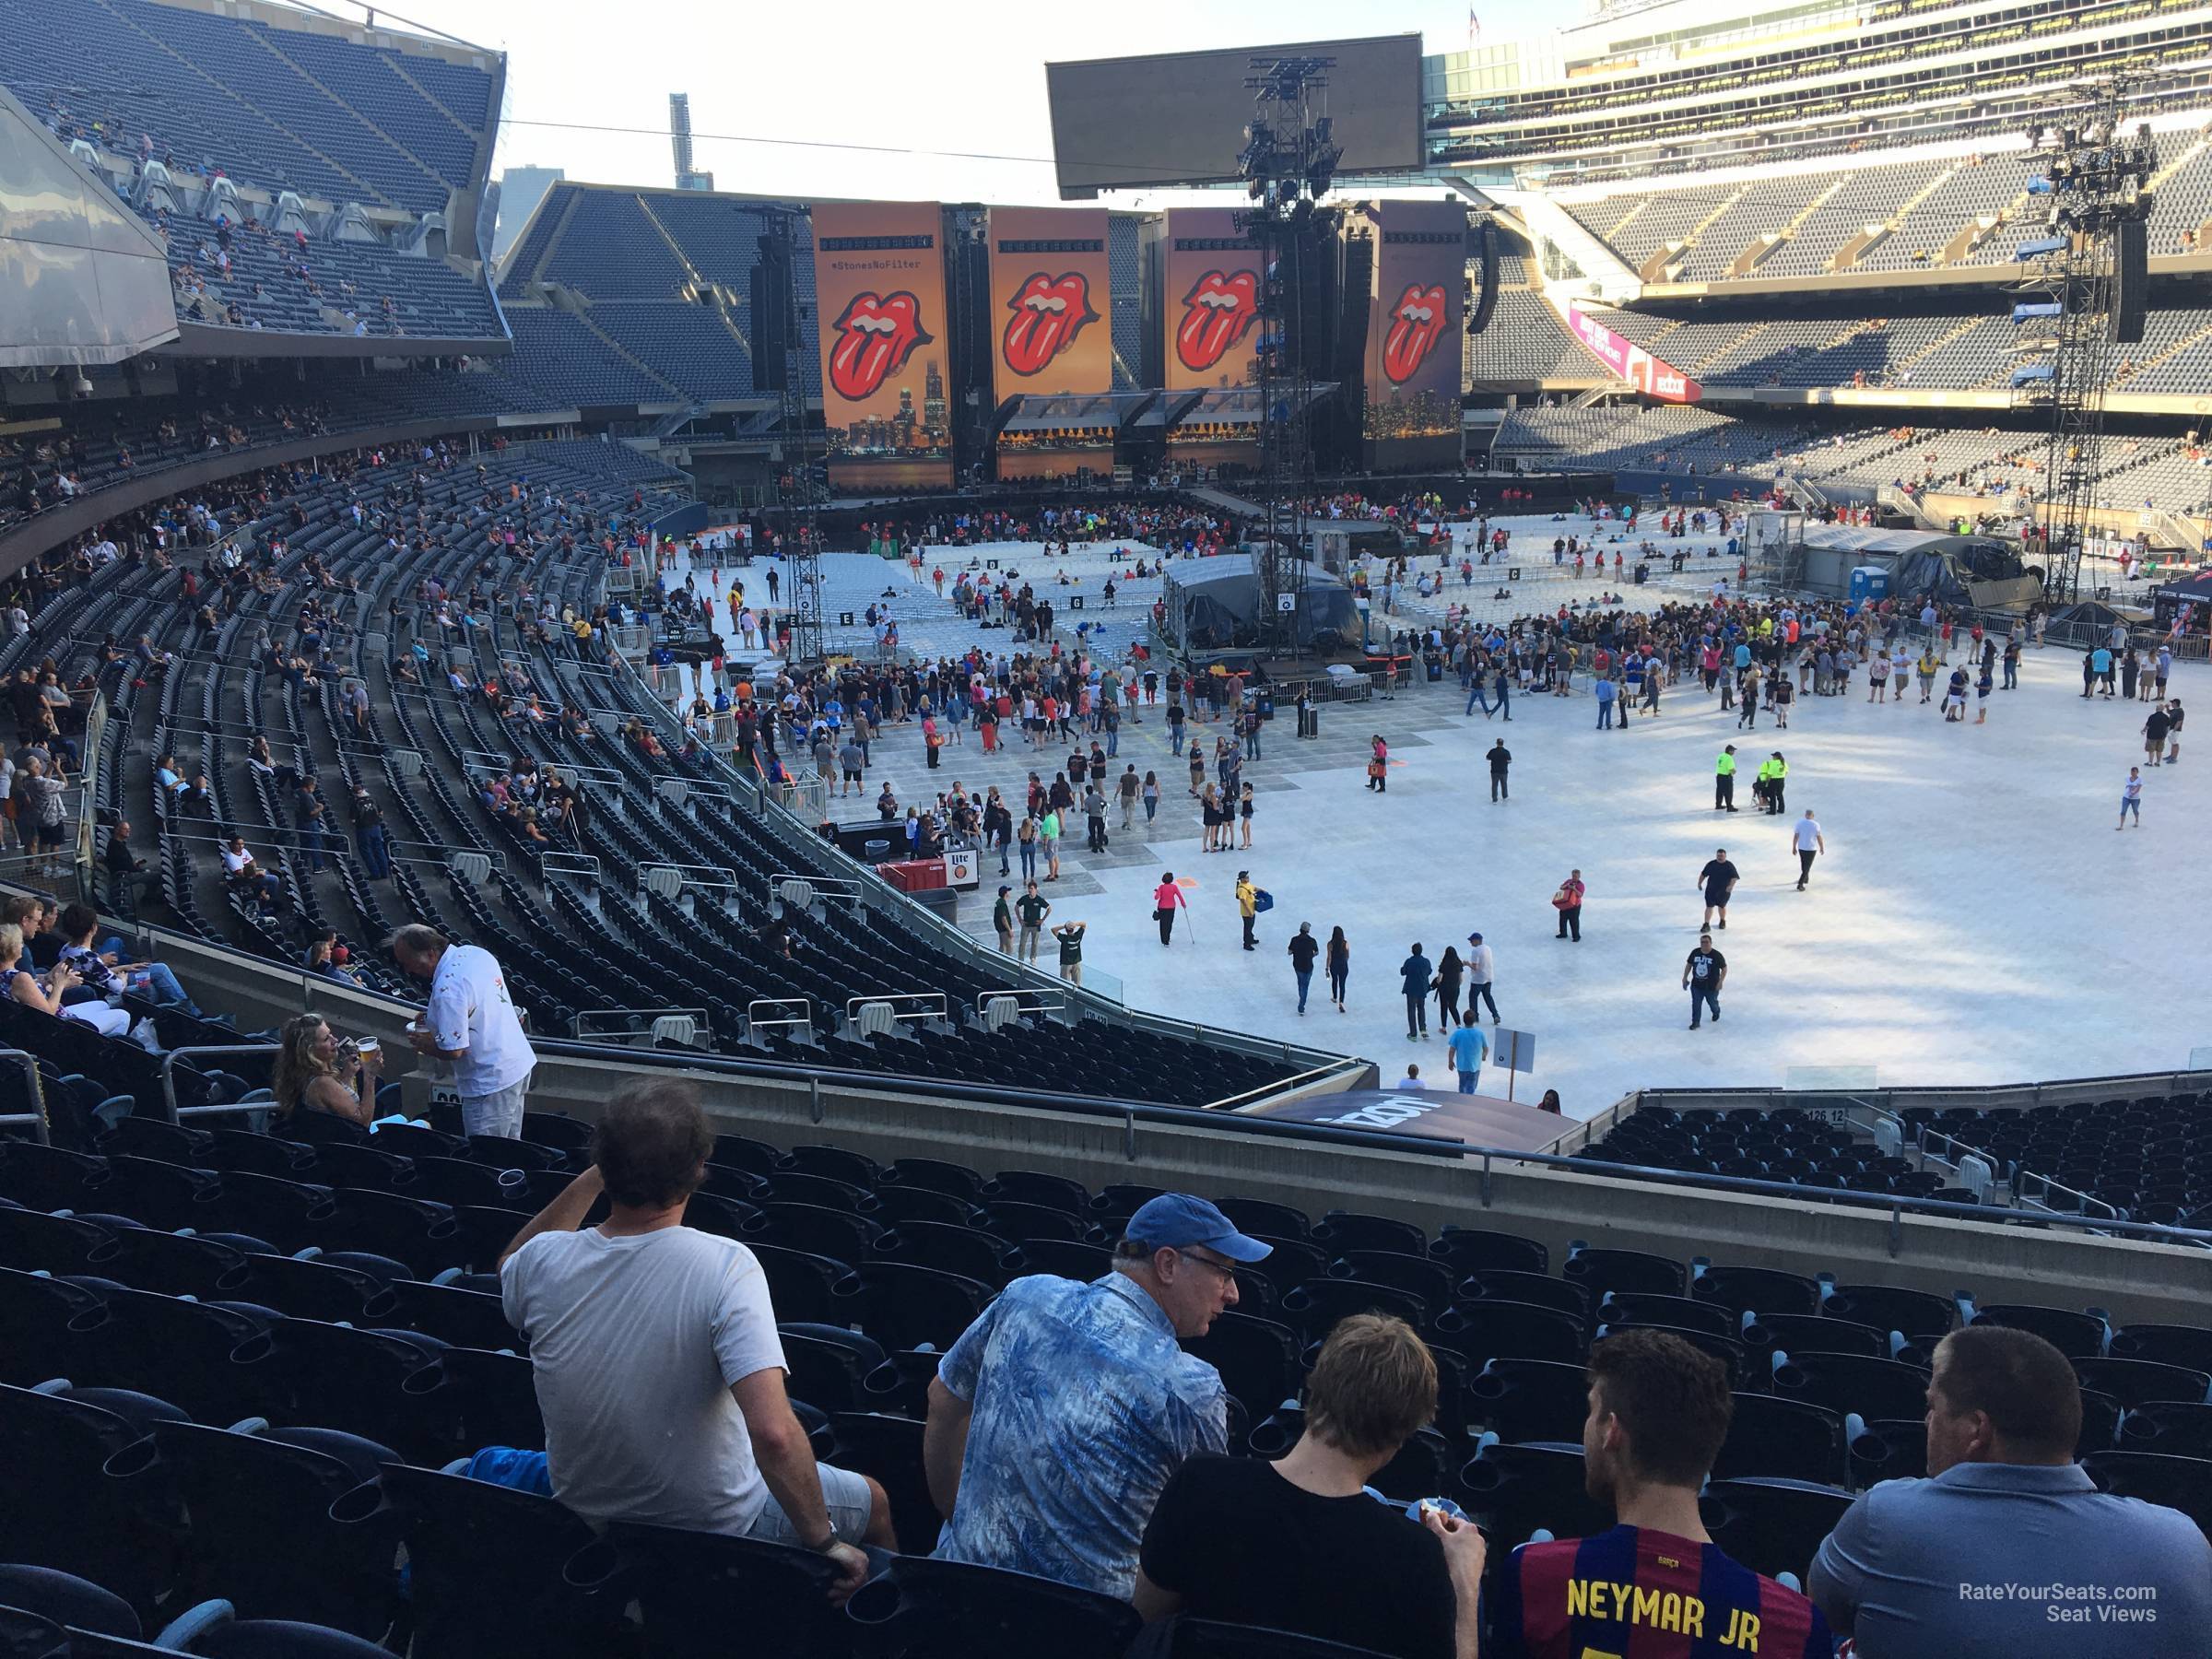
851, 775
844, 1494
499, 1113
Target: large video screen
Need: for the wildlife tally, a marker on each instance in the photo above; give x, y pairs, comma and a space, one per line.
879, 281
1050, 299
1178, 118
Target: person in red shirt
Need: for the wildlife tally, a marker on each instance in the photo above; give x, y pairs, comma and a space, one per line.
1656, 1586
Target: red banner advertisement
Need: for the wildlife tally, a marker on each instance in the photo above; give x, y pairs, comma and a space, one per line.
1209, 299
1416, 311
879, 286
1631, 362
1050, 301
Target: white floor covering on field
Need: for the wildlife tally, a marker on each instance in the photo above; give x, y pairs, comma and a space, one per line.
1977, 919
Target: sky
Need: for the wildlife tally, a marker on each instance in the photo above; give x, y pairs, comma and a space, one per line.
963, 77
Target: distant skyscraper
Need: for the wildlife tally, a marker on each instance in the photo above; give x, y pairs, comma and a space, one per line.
521, 189
679, 143
932, 402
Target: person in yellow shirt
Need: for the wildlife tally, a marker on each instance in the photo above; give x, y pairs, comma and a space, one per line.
1248, 906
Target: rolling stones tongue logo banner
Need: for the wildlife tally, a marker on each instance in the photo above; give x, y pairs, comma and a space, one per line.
1210, 293
1417, 309
1050, 293
879, 280
876, 334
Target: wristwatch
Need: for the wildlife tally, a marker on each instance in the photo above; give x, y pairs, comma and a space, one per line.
827, 1545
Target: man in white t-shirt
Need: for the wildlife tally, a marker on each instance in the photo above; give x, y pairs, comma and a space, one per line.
1410, 1083
1806, 836
653, 1347
470, 1022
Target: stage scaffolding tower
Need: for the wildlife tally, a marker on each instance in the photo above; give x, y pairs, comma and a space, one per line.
798, 521
2095, 185
1288, 161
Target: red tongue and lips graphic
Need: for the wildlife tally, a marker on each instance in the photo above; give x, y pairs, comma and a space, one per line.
876, 334
1220, 306
1415, 323
1049, 312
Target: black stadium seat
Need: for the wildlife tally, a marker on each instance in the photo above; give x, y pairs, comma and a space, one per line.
486, 1561
693, 1589
1474, 1250
2179, 1483
930, 1609
263, 1535
1770, 1526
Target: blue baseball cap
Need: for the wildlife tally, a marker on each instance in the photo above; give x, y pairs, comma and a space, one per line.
1177, 1221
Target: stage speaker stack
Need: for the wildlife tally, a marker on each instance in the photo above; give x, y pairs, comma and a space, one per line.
1486, 302
2131, 296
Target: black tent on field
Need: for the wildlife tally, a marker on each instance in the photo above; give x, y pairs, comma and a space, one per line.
1213, 603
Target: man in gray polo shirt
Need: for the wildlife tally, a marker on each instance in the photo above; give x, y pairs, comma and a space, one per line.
2008, 1548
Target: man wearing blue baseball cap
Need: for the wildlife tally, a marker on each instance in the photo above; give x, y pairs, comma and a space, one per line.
1057, 1418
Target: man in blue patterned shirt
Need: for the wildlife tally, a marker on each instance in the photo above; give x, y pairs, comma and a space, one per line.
1057, 1418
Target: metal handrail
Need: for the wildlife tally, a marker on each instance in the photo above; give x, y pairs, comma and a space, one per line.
803, 1018
1298, 1081
921, 1005
1026, 999
36, 1121
169, 1076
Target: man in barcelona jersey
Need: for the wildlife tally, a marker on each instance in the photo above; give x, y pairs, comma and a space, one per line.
1654, 1587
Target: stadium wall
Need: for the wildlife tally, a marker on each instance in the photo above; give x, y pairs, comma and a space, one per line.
2136, 1282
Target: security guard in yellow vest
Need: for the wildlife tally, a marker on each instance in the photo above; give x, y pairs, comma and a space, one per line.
1724, 781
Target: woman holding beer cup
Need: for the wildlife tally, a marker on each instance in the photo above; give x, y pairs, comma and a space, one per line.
315, 1072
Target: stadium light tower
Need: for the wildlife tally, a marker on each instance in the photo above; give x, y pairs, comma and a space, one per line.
2084, 293
1288, 163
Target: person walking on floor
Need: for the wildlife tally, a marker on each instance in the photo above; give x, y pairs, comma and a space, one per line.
1449, 972
1304, 948
1481, 969
1378, 767
1469, 1046
2130, 798
2173, 729
1568, 901
1724, 780
2154, 736
1416, 977
1718, 880
1805, 835
1167, 898
1337, 958
1499, 758
1248, 906
1703, 974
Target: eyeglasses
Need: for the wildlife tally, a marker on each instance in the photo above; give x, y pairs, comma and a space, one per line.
1227, 1270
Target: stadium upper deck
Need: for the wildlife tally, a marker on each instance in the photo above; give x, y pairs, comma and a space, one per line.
1639, 91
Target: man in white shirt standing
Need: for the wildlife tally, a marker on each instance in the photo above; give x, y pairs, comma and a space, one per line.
655, 1352
470, 1022
1805, 835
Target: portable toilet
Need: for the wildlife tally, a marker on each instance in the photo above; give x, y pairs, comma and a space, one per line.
1869, 584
